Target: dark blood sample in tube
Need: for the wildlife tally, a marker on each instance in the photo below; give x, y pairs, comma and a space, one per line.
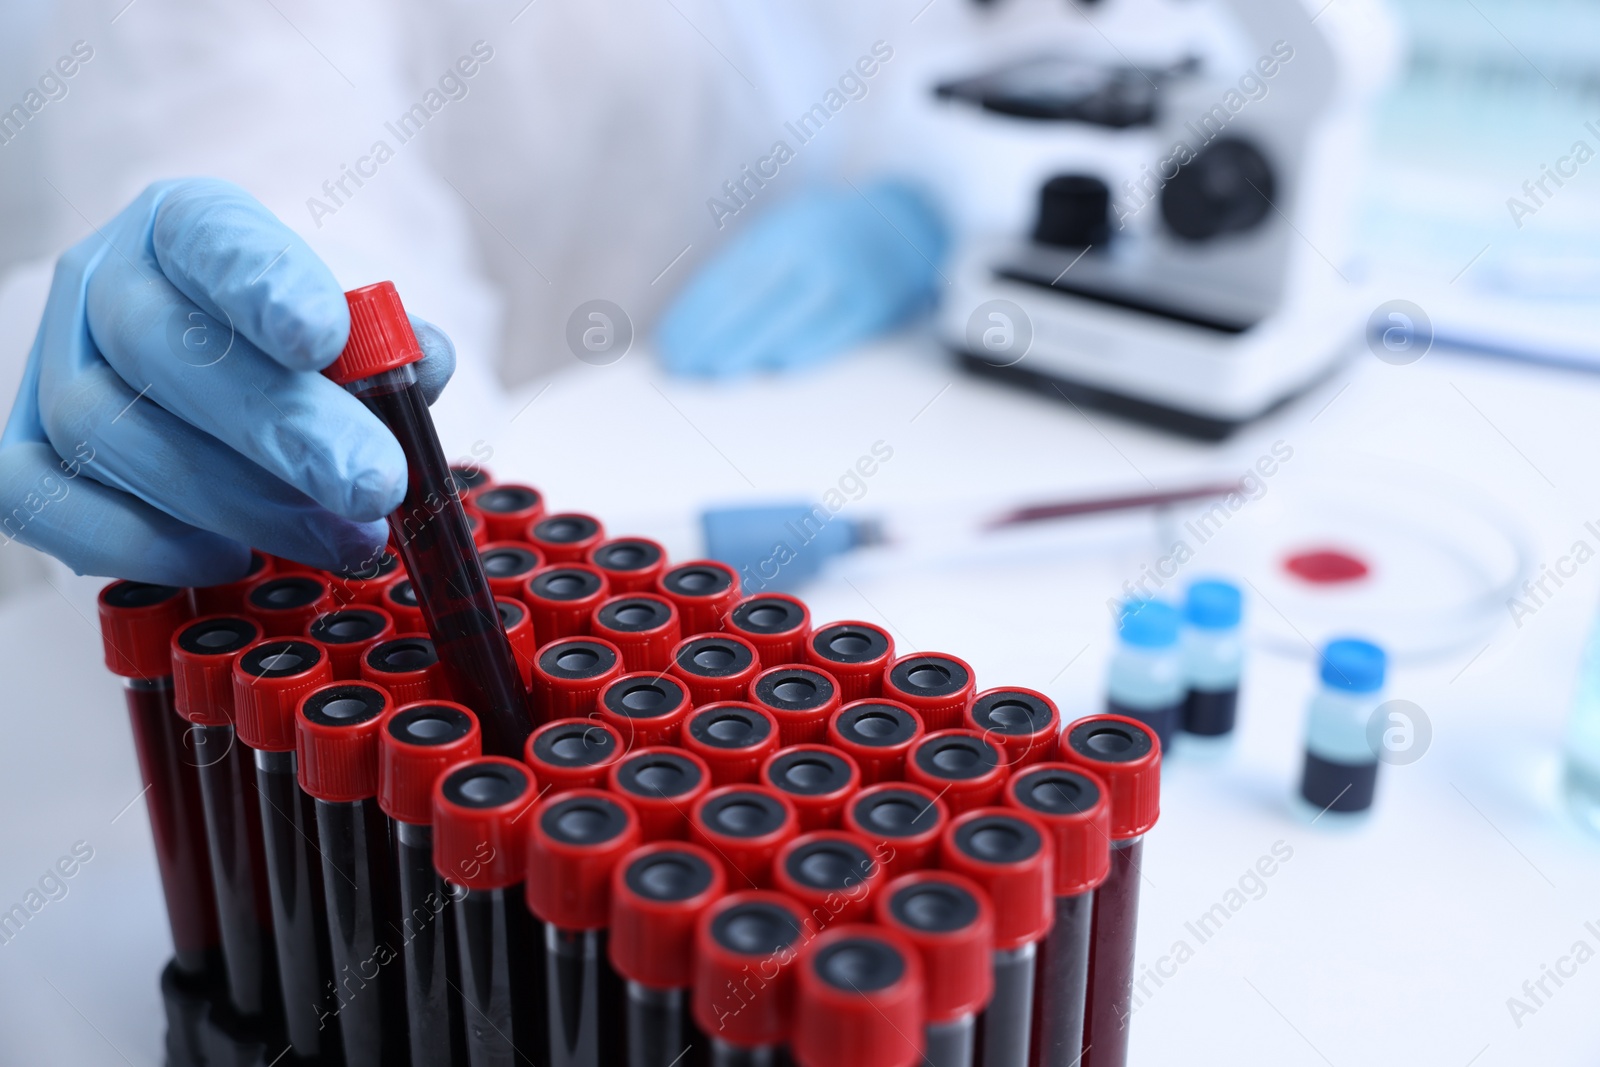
562, 597
776, 623
1022, 721
476, 526
855, 653
429, 527
645, 709
407, 667
965, 767
704, 591
566, 537
518, 625
1126, 756
575, 844
572, 754
480, 849
508, 565
938, 686
469, 476
1010, 854
269, 678
663, 784
800, 698
507, 508
902, 821
418, 742
819, 781
743, 1000
644, 625
337, 728
658, 893
630, 564
858, 1000
228, 599
569, 673
949, 921
1075, 807
878, 734
400, 601
733, 737
137, 622
365, 582
349, 634
715, 667
284, 604
745, 825
832, 873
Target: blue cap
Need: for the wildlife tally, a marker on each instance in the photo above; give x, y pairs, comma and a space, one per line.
1213, 604
1353, 665
1149, 623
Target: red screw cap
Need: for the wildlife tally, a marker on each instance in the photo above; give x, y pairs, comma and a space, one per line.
800, 698
967, 768
878, 734
400, 601
630, 564
562, 597
855, 653
415, 746
949, 921
745, 949
902, 821
776, 623
1075, 806
480, 838
938, 686
1021, 721
572, 753
137, 621
658, 893
832, 873
704, 591
228, 599
408, 667
569, 673
818, 781
575, 844
203, 654
508, 565
269, 678
285, 604
566, 537
507, 508
364, 584
858, 1000
715, 667
1008, 852
745, 825
518, 625
337, 728
349, 634
664, 784
644, 708
1125, 754
381, 338
643, 625
733, 737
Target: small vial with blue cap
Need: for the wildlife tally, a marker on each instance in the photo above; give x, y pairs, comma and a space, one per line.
1213, 655
1341, 768
1147, 677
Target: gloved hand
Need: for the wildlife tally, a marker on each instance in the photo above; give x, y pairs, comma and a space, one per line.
814, 276
171, 415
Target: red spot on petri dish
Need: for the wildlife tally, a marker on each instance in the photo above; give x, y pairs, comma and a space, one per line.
1326, 566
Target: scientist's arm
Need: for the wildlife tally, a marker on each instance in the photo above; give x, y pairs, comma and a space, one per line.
171, 415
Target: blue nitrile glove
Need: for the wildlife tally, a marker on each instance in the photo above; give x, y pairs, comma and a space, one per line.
778, 547
171, 413
816, 275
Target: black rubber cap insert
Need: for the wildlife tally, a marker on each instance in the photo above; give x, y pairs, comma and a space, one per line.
829, 865
584, 820
217, 637
286, 593
575, 744
634, 615
350, 626
346, 705
280, 659
485, 785
998, 839
626, 555
846, 643
402, 654
508, 561
876, 725
957, 757
506, 499
729, 728
768, 616
931, 676
935, 907
429, 724
657, 775
645, 698
714, 657
1012, 713
565, 529
897, 813
565, 583
668, 876
696, 579
860, 965
743, 813
756, 928
794, 689
1109, 742
1053, 791
576, 659
809, 772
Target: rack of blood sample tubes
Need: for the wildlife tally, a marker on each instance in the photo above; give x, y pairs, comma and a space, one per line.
519, 792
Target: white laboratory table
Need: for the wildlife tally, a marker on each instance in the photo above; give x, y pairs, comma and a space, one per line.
1394, 942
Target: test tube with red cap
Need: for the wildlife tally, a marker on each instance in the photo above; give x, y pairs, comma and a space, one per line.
469, 475
878, 734
858, 1000
407, 667
337, 727
663, 784
743, 1000
415, 746
715, 667
645, 709
1075, 807
801, 699
575, 845
480, 849
658, 893
833, 874
966, 768
903, 822
855, 653
704, 591
400, 601
349, 634
365, 582
949, 920
518, 625
508, 565
572, 754
1023, 722
284, 604
565, 537
1126, 756
1009, 854
776, 623
940, 687
269, 678
733, 737
569, 673
429, 528
643, 625
819, 781
228, 598
562, 597
507, 508
745, 825
630, 564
